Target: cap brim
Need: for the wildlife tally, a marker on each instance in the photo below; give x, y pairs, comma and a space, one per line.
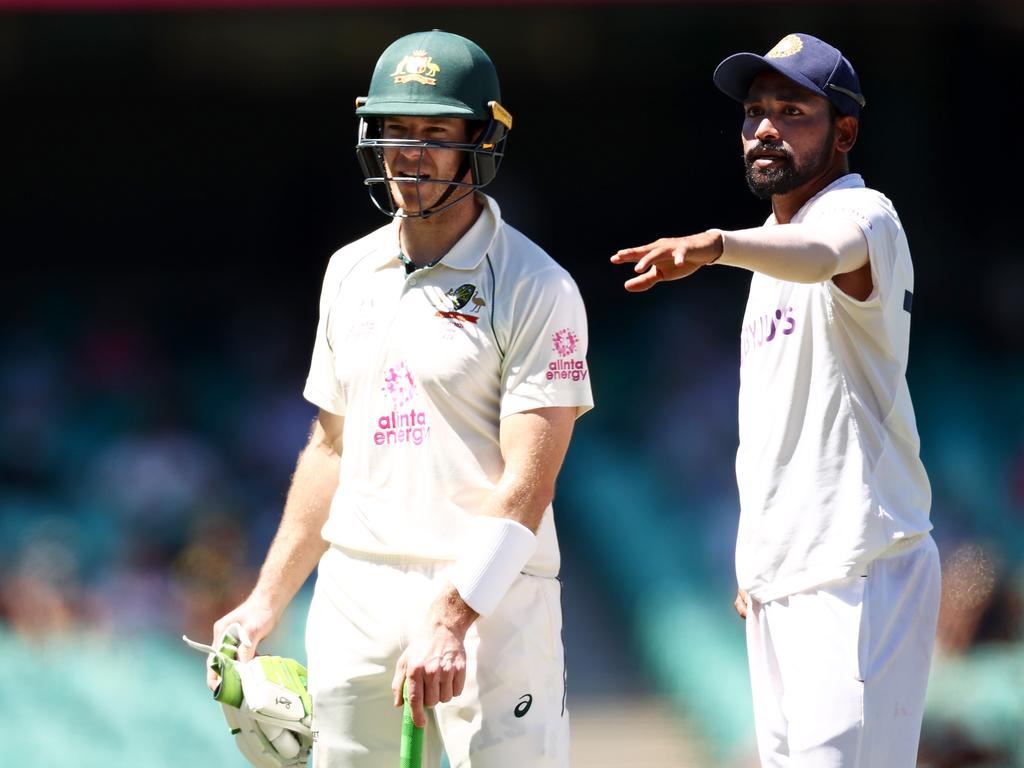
735, 74
412, 109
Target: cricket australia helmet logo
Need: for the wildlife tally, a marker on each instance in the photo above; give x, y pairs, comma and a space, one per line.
565, 342
399, 385
417, 67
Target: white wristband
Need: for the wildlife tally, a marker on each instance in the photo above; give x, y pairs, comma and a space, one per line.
494, 553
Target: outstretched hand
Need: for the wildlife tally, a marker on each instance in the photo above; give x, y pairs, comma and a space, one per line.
669, 258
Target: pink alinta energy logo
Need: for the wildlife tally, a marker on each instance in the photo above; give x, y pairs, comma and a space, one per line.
565, 342
400, 425
565, 366
399, 385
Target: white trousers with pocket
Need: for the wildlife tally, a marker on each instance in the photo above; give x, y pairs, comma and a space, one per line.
512, 712
839, 672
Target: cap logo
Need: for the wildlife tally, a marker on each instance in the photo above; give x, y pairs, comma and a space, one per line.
787, 46
417, 67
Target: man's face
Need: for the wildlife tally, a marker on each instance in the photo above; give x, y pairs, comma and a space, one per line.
424, 164
788, 135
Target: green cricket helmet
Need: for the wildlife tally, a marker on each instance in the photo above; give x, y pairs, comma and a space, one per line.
433, 74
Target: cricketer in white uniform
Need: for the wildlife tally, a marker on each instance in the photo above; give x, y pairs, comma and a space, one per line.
838, 575
449, 366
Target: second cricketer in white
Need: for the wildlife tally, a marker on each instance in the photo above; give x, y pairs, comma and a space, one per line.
838, 576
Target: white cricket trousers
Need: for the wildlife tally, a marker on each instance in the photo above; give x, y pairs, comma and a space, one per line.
512, 712
839, 672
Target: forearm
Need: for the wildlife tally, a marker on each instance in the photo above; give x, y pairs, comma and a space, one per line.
796, 253
298, 545
521, 496
494, 542
534, 445
501, 540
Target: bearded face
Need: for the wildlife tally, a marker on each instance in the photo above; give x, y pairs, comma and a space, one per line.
789, 135
774, 168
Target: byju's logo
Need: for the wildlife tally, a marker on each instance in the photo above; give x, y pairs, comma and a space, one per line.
766, 328
565, 366
401, 425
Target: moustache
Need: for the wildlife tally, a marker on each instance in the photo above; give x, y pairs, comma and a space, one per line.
761, 149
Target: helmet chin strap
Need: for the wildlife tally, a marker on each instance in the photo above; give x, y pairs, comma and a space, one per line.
463, 169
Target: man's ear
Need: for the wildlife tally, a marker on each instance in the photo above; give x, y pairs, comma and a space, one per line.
847, 127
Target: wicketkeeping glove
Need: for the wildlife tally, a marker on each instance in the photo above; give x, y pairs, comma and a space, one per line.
265, 702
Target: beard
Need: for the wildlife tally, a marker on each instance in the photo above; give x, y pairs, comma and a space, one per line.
788, 174
425, 192
418, 195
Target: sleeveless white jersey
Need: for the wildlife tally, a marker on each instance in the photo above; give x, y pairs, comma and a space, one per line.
828, 464
423, 367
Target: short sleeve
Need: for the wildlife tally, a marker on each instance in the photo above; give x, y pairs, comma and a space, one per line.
545, 363
885, 316
322, 388
876, 220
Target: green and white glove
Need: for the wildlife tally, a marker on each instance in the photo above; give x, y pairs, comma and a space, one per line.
265, 702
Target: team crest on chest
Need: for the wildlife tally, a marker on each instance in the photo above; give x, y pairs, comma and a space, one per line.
462, 302
461, 296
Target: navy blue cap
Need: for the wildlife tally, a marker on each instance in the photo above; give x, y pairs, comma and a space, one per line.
805, 60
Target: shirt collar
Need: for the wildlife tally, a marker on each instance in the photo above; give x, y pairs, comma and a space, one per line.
846, 181
470, 249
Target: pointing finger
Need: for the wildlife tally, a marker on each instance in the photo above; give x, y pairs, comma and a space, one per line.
630, 254
643, 282
654, 256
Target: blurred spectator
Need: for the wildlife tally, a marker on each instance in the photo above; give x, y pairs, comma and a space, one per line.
41, 594
210, 573
968, 586
975, 701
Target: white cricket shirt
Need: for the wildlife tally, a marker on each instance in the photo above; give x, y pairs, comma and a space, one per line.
828, 464
423, 367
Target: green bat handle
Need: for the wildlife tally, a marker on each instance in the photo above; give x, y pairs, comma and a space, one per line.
411, 754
